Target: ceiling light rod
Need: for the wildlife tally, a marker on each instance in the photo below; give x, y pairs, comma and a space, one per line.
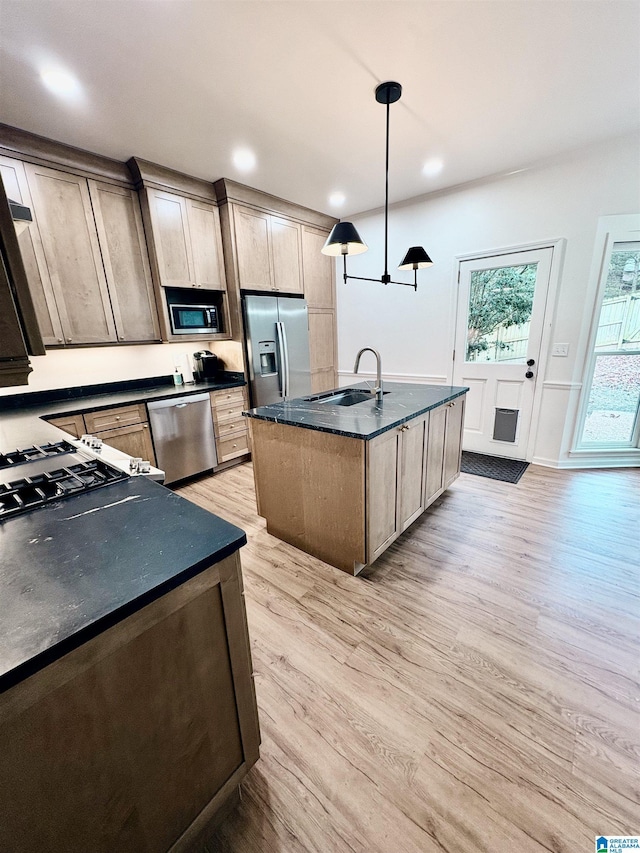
344, 239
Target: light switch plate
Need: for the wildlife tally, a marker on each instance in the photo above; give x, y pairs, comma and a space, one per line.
560, 349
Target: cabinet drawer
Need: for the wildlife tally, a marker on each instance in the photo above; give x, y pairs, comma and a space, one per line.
112, 418
230, 397
232, 446
227, 427
229, 412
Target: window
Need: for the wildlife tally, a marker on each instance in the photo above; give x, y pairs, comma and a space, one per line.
610, 418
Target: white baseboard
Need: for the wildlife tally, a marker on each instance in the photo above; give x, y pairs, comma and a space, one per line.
590, 462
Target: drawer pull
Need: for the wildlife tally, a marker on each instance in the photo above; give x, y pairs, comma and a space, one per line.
117, 417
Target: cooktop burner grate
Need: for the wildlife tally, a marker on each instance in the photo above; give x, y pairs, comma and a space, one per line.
40, 487
36, 451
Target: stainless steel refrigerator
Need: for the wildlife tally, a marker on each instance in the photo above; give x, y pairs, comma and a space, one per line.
277, 338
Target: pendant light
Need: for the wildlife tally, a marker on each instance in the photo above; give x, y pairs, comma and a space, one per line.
344, 239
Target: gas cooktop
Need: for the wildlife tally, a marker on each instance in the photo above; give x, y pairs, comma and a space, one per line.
50, 475
36, 451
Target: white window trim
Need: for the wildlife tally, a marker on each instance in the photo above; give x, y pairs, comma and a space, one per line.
621, 228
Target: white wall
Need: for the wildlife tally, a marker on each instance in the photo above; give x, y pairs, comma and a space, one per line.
414, 331
68, 368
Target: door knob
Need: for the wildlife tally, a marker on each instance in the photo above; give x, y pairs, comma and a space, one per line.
531, 362
529, 374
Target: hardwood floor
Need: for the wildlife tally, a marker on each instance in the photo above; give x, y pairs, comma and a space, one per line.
475, 690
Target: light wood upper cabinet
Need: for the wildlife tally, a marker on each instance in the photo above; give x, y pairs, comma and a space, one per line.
72, 254
14, 177
317, 270
269, 252
187, 241
126, 263
206, 243
286, 252
172, 240
253, 249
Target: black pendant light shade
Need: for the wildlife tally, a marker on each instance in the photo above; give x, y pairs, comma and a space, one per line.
344, 240
415, 259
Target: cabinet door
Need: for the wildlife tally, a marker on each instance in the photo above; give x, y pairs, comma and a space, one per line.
453, 441
322, 348
410, 472
206, 245
14, 178
434, 454
253, 249
73, 424
171, 238
134, 440
317, 270
286, 255
72, 253
126, 263
382, 492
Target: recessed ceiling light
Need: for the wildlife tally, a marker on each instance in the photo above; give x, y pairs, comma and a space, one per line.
244, 159
62, 83
432, 167
337, 199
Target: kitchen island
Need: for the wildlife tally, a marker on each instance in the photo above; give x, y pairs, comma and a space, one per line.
127, 709
341, 479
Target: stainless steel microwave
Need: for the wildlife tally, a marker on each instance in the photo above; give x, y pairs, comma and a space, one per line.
194, 319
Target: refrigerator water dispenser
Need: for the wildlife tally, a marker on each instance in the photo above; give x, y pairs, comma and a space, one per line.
267, 352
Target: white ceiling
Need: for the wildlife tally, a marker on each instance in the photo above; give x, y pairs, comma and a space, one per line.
489, 87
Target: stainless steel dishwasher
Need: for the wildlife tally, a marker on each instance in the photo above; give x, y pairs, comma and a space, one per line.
182, 430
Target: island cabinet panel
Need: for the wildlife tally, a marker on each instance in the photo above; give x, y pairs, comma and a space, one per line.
72, 253
310, 487
134, 740
453, 441
14, 178
382, 492
318, 270
411, 458
434, 455
126, 261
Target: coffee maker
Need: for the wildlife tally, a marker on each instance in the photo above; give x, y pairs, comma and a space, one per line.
207, 365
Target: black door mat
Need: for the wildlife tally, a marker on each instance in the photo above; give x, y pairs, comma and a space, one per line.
494, 467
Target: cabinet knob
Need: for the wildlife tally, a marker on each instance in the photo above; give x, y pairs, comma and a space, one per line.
59, 340
117, 417
234, 445
145, 426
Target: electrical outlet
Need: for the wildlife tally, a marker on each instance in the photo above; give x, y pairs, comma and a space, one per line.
560, 349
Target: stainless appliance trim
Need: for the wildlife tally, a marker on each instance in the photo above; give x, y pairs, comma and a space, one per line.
211, 327
183, 438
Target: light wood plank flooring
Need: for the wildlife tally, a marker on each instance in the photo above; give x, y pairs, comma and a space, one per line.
475, 690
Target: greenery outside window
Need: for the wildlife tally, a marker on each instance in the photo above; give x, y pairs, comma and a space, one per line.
611, 399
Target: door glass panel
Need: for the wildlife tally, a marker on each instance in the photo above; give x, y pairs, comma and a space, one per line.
498, 319
613, 401
619, 324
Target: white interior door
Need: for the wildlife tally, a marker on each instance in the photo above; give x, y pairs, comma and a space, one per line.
499, 323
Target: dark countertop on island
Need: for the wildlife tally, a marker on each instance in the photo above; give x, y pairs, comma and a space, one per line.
364, 420
73, 568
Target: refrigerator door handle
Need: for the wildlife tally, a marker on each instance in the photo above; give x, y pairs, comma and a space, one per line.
284, 357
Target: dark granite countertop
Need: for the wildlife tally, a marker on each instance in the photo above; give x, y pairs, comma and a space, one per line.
72, 569
21, 415
365, 420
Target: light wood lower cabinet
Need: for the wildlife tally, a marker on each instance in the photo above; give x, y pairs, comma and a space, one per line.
134, 440
229, 426
346, 500
136, 739
73, 424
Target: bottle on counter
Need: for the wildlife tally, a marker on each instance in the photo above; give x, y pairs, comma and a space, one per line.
177, 376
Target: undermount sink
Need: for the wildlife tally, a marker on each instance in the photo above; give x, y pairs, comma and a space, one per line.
347, 397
